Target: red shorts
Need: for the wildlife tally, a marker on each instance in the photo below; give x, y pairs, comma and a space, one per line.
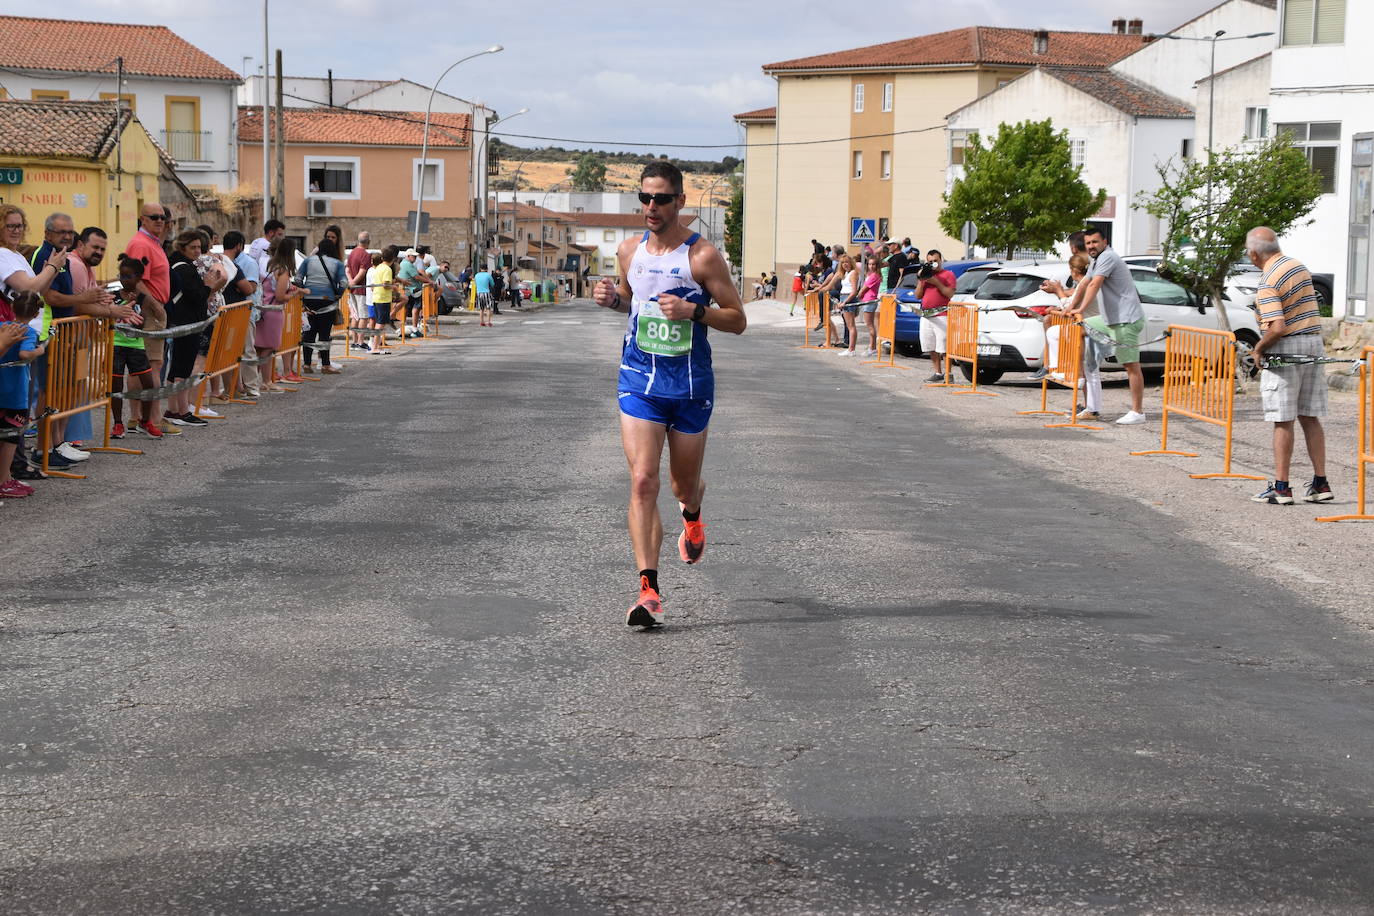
796, 284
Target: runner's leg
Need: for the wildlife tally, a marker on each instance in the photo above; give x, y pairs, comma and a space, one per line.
643, 441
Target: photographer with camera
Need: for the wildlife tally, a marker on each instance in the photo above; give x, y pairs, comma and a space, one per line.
934, 288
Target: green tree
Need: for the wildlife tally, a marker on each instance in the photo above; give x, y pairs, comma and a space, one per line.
590, 174
734, 224
1206, 207
1023, 191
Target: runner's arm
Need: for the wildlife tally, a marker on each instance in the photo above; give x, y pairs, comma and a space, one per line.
710, 270
616, 294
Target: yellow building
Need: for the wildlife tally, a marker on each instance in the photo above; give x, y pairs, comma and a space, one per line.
86, 159
859, 135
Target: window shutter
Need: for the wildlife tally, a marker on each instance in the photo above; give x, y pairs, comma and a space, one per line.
1330, 24
1297, 22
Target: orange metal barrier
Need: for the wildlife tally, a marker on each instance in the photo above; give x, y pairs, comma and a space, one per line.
80, 362
292, 315
429, 312
887, 333
962, 346
812, 301
1364, 449
1069, 355
1200, 382
226, 346
343, 328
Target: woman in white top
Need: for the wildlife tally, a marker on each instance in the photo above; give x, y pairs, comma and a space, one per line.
849, 302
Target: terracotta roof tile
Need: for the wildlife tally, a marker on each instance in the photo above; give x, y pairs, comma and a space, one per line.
349, 127
1121, 93
761, 114
975, 45
84, 129
82, 47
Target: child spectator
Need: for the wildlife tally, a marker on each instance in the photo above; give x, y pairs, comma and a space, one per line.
383, 294
130, 354
14, 388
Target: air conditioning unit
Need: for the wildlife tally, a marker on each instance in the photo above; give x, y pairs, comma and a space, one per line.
321, 206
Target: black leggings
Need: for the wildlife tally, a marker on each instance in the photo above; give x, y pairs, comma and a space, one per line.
319, 329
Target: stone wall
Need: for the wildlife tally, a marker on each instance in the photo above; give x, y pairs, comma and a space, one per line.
450, 239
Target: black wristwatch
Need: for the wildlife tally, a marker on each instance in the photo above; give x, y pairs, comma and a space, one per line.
700, 312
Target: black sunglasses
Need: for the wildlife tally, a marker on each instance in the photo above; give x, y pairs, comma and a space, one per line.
662, 200
159, 217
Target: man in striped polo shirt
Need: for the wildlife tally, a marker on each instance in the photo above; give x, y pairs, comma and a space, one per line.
1290, 318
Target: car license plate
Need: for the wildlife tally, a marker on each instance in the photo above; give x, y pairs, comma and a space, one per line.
989, 349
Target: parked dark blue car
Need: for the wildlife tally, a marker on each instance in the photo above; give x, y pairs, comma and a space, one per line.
909, 323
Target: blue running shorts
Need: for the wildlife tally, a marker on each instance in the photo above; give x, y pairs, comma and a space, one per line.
684, 416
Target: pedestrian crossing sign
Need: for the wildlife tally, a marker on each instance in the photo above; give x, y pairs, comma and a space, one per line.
862, 230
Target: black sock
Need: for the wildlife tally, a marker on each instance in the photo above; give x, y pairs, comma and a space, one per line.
652, 576
692, 516
1318, 481
1281, 484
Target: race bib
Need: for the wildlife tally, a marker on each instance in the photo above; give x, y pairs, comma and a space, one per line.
662, 336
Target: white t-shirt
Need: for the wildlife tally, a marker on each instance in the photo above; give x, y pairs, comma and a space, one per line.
12, 262
371, 285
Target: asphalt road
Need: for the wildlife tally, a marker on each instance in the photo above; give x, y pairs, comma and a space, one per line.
363, 651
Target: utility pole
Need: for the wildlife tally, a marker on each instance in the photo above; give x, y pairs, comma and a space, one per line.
266, 119
279, 202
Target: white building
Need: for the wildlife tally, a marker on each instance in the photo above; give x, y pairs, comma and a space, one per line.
1118, 129
1124, 121
183, 96
384, 95
1322, 92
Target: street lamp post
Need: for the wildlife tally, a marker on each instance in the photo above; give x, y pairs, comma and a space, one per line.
424, 140
542, 206
1212, 89
482, 164
514, 219
711, 223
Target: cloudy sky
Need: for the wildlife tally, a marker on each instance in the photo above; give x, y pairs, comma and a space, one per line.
595, 73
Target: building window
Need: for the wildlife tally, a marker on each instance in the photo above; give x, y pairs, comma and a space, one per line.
582, 235
608, 235
1314, 22
608, 265
887, 96
858, 97
1186, 149
336, 177
433, 178
886, 164
1320, 140
958, 142
884, 227
126, 98
1257, 122
183, 137
49, 95
858, 163
1076, 148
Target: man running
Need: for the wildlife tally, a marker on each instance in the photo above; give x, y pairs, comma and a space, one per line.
668, 277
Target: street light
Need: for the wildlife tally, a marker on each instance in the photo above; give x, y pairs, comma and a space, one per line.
542, 206
711, 223
481, 154
424, 141
1212, 90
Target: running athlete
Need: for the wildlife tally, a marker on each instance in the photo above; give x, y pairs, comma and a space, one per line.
668, 278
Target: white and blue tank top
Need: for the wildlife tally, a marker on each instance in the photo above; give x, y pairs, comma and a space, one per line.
661, 357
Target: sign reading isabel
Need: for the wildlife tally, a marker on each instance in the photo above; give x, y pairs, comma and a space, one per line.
863, 230
11, 176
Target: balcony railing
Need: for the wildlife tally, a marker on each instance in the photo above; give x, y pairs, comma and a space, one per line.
188, 145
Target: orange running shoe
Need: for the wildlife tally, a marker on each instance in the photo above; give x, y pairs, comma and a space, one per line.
648, 610
691, 544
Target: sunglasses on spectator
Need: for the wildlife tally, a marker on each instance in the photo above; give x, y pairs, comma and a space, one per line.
662, 200
158, 217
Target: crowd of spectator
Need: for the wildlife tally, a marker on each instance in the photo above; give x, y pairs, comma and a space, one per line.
180, 281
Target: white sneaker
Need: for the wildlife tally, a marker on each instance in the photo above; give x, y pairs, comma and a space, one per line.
1086, 414
72, 453
870, 353
208, 413
1130, 418
846, 353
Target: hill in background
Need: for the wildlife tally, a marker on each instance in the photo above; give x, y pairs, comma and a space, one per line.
544, 168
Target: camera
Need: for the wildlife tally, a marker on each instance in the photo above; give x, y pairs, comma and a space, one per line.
927, 270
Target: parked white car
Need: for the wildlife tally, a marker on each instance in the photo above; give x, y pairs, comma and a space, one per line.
1008, 342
